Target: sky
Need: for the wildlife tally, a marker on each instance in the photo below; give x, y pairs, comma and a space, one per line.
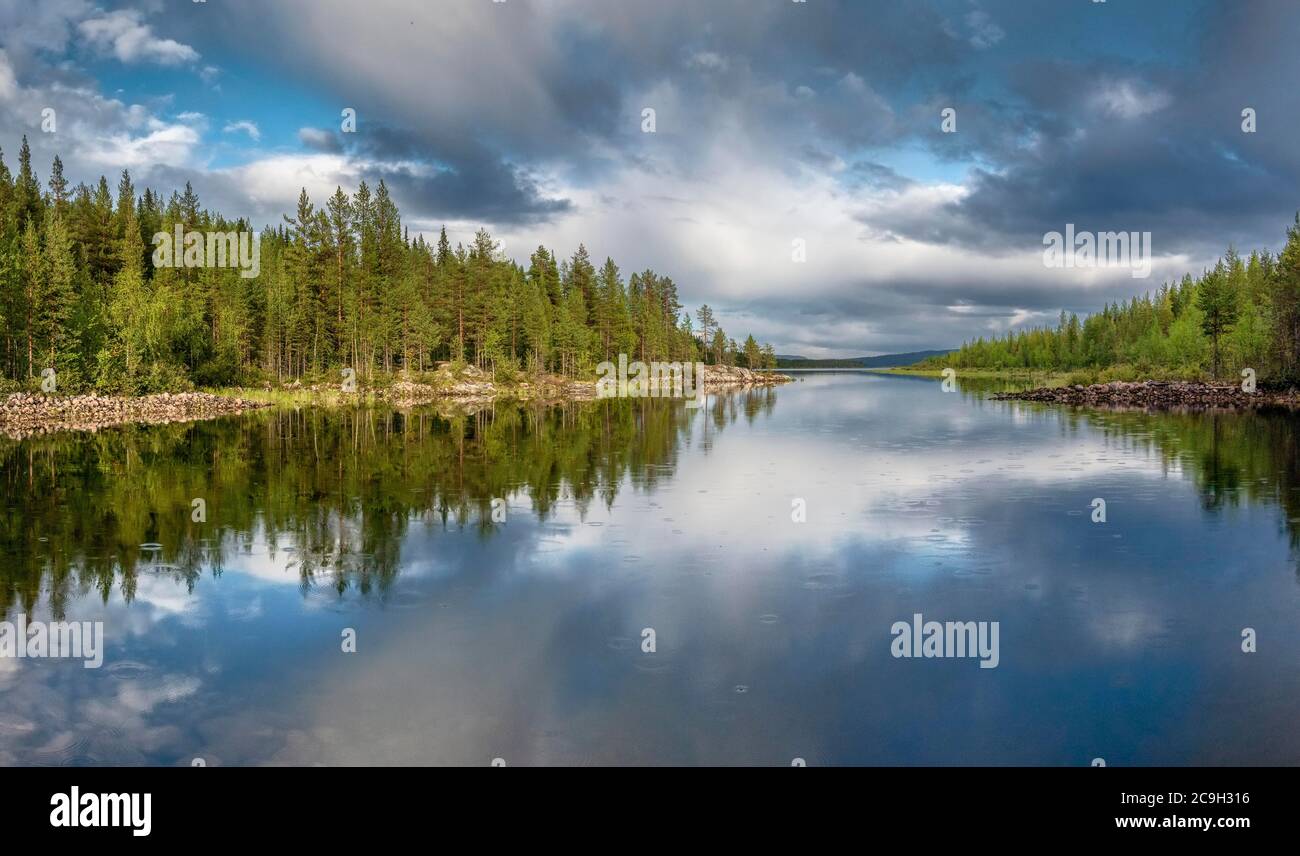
798, 177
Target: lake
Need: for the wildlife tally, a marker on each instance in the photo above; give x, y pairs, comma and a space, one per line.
381, 587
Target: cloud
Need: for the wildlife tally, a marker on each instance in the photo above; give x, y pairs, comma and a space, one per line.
984, 32
464, 181
1127, 99
163, 144
125, 36
320, 140
774, 121
707, 61
8, 83
246, 127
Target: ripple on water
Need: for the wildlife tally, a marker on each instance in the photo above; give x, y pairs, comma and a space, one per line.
404, 600
823, 581
125, 669
59, 749
656, 665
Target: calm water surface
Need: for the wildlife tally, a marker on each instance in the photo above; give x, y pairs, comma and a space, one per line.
521, 639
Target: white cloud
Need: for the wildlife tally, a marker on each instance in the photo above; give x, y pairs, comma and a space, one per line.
272, 183
707, 61
315, 138
985, 33
8, 83
1127, 100
246, 126
125, 36
164, 145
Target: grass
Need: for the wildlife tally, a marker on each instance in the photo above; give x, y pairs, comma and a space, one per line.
1058, 377
283, 397
1038, 377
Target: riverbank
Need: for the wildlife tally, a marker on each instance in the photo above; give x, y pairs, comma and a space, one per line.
1158, 394
468, 384
22, 414
1125, 372
463, 388
1029, 376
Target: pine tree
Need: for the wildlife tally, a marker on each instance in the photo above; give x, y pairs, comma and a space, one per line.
32, 267
1286, 303
707, 323
58, 185
27, 190
1217, 300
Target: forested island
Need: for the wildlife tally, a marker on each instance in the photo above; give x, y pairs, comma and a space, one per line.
342, 286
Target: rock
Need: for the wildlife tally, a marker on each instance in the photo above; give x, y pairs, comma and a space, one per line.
22, 414
716, 377
1157, 395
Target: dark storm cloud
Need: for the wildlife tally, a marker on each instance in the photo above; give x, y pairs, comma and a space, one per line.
460, 180
911, 314
1128, 138
1153, 147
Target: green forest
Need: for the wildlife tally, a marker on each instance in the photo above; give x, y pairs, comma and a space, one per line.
1242, 313
342, 284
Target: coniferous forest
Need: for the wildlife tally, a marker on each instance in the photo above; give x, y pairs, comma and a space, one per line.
341, 284
1242, 313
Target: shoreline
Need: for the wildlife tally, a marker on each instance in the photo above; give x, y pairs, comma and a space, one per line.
1158, 395
25, 414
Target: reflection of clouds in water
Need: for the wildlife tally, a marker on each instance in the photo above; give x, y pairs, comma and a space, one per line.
157, 599
1127, 627
55, 711
524, 643
249, 612
280, 565
60, 713
869, 482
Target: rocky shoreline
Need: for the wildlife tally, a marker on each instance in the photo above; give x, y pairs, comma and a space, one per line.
471, 385
22, 414
1157, 394
731, 377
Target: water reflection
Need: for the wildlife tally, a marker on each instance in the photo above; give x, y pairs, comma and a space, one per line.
520, 637
328, 494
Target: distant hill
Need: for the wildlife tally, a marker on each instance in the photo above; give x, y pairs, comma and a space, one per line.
882, 361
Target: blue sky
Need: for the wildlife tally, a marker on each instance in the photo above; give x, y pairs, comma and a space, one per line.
775, 122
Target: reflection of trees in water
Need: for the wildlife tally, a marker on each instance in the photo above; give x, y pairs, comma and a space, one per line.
336, 489
1232, 458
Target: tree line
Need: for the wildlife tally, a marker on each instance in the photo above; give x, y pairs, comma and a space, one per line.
342, 284
1242, 313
